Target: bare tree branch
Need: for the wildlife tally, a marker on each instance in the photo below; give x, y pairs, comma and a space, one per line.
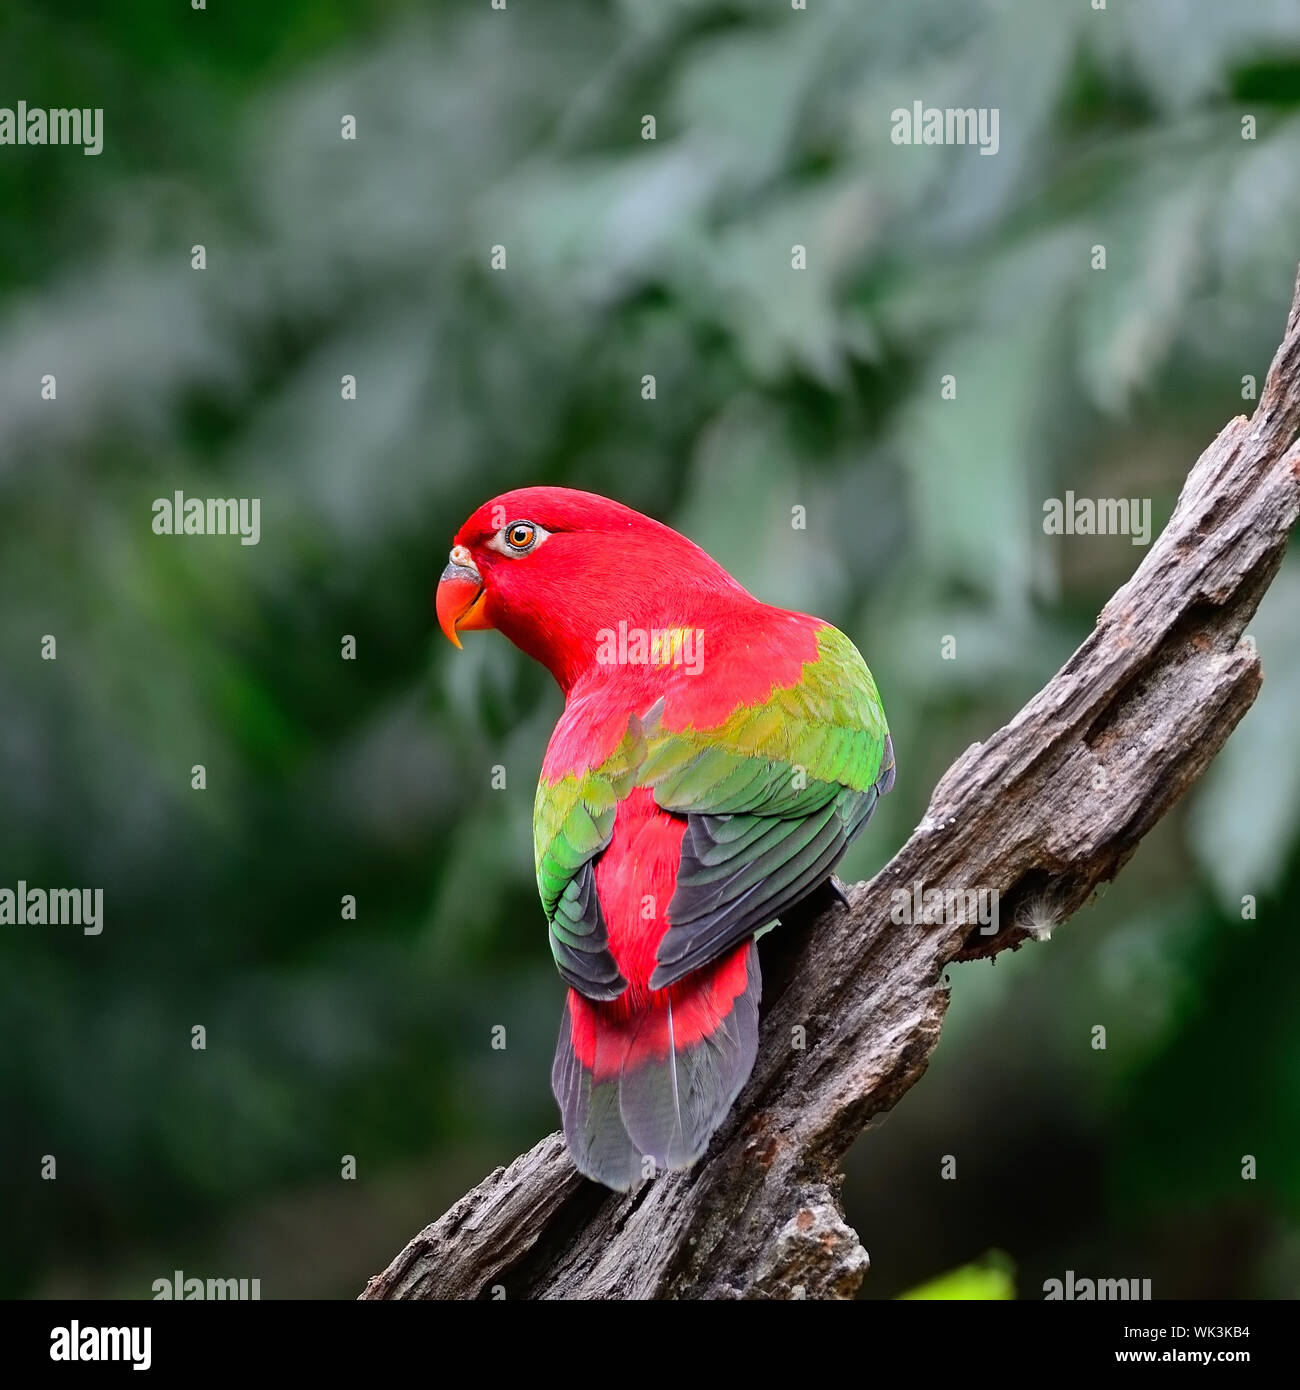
1046, 810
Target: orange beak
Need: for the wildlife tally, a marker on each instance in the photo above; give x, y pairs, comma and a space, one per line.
461, 598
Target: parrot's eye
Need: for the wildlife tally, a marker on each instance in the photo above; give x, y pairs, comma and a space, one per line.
519, 538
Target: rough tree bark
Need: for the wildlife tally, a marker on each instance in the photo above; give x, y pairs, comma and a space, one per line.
1047, 809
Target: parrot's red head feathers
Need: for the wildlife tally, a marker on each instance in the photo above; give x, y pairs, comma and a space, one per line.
552, 568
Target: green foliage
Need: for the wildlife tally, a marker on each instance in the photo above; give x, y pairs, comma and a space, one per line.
992, 1277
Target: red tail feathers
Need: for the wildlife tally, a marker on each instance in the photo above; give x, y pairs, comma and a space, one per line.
644, 1080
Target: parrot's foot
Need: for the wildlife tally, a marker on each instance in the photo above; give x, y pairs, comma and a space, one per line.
829, 893
837, 891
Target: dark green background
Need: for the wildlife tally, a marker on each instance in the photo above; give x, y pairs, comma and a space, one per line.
774, 389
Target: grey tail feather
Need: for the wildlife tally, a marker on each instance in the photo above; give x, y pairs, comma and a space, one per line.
670, 1107
593, 1128
658, 1114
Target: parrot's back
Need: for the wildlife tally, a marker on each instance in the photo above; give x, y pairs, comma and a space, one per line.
680, 813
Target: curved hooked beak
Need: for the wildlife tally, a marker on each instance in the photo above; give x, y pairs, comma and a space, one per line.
460, 597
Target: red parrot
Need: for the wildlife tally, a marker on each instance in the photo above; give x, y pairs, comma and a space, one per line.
714, 759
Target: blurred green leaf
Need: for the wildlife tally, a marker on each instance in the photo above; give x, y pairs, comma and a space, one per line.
992, 1277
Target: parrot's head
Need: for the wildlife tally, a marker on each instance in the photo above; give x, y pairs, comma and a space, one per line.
553, 568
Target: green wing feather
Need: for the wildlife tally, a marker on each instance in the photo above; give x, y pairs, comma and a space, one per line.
573, 821
773, 797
